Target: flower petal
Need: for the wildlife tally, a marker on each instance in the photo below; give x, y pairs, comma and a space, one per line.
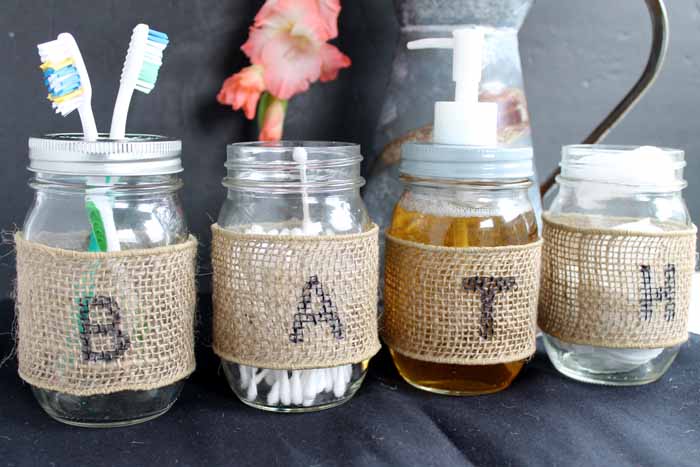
279, 14
291, 64
332, 60
257, 39
329, 11
226, 93
267, 11
242, 90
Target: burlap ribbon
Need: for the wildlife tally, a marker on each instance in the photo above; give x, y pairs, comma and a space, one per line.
469, 306
99, 323
615, 288
295, 302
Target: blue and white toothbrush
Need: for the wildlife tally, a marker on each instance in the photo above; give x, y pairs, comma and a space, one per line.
143, 61
67, 80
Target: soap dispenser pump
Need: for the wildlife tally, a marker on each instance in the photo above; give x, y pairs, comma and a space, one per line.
469, 120
464, 120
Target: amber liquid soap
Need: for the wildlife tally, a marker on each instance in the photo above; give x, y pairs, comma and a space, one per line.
445, 230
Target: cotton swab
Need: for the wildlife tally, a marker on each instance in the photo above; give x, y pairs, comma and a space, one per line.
297, 393
301, 388
301, 156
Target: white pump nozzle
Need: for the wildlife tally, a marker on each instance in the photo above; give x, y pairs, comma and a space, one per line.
468, 45
466, 120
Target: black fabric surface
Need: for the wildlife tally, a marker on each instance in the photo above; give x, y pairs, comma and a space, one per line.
543, 419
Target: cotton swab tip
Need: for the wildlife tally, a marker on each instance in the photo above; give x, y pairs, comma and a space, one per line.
300, 154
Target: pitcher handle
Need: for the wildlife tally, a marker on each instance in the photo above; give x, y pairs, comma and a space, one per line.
657, 55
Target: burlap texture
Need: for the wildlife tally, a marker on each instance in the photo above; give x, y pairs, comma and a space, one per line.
99, 323
434, 312
593, 286
295, 302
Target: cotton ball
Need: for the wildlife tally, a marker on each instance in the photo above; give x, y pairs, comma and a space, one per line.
645, 165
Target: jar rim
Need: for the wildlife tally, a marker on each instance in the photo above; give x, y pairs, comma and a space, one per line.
286, 144
616, 148
267, 155
273, 167
136, 154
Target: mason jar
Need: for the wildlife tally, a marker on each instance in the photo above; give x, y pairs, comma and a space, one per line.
271, 192
615, 206
138, 179
463, 211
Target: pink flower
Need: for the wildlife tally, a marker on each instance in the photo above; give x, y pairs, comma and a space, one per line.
332, 60
288, 39
273, 122
242, 90
328, 10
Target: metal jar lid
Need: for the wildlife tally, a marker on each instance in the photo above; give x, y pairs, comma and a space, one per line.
135, 155
445, 161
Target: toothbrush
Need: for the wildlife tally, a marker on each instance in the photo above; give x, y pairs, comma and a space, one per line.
140, 72
98, 205
67, 80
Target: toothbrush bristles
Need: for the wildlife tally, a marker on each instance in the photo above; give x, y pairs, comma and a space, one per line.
61, 77
152, 60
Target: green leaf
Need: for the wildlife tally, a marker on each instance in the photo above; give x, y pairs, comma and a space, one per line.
263, 104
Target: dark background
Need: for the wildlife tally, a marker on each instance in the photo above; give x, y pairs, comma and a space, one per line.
579, 58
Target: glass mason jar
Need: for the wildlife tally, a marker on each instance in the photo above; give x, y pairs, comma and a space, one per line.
467, 196
139, 175
604, 183
268, 194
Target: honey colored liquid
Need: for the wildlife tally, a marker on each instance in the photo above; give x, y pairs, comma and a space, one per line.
460, 232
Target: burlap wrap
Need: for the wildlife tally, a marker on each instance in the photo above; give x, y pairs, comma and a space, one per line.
469, 306
594, 289
99, 323
295, 302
